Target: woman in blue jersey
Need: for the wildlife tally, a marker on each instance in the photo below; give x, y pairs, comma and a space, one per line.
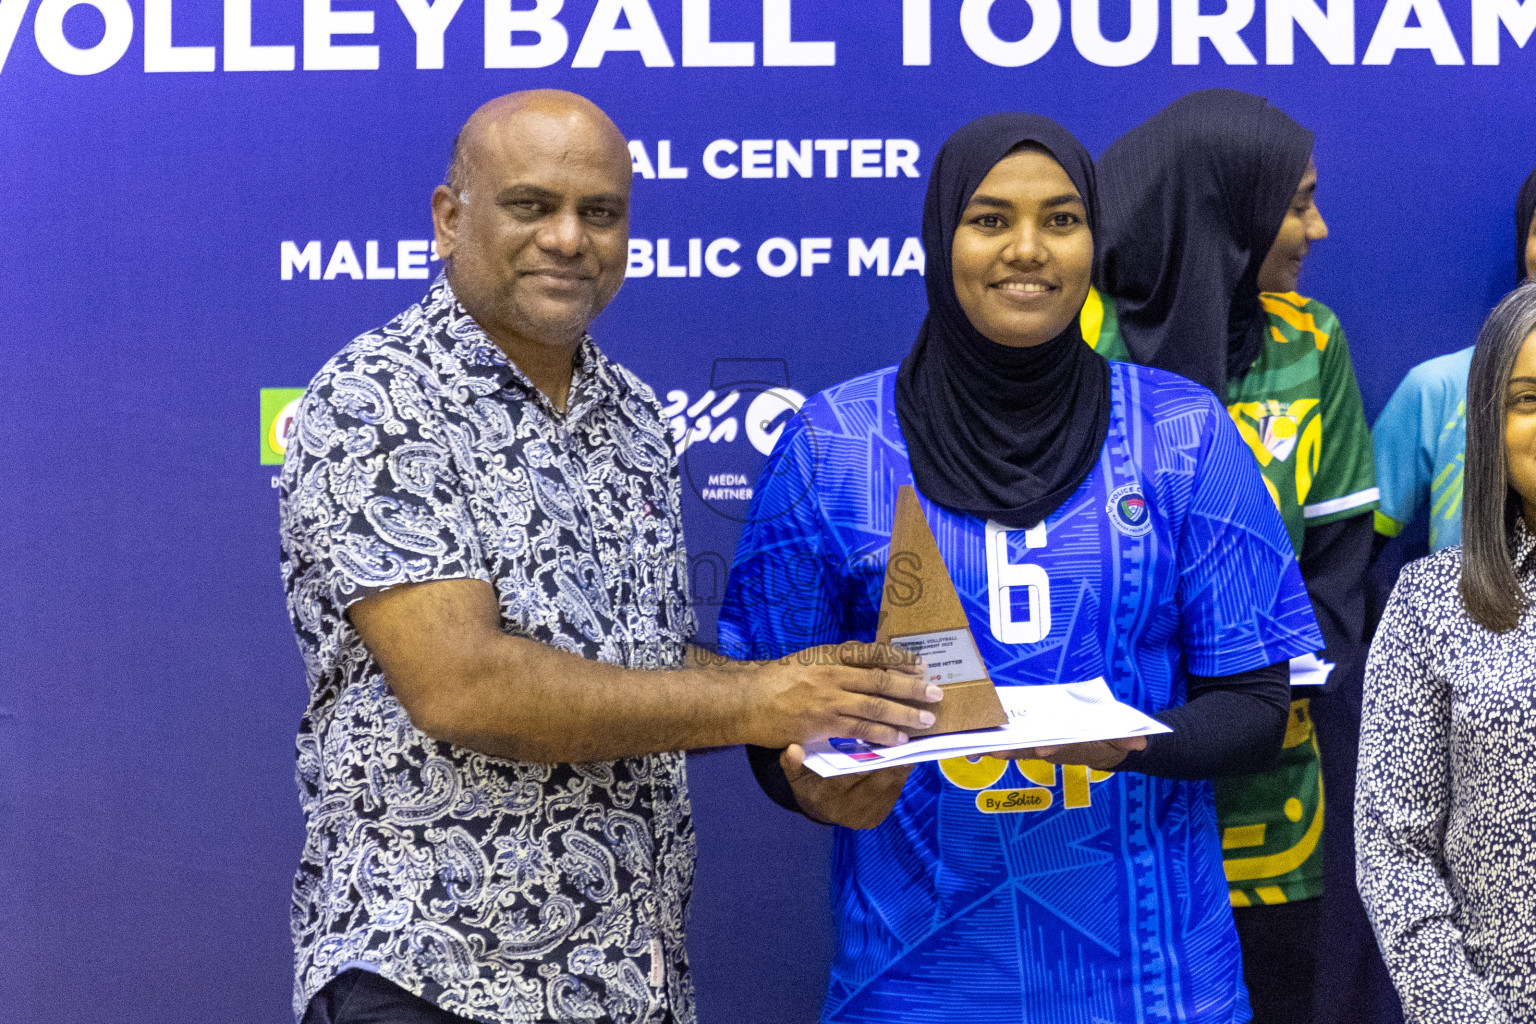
1209, 213
1098, 520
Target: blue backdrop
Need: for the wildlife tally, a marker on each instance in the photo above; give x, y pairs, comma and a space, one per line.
184, 232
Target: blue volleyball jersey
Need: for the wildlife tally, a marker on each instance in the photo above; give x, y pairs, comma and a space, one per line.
1421, 449
1000, 891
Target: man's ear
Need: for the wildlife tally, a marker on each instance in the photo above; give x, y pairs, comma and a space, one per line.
446, 208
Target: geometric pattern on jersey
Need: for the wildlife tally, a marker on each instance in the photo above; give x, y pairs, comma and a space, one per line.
1421, 445
1298, 408
1024, 891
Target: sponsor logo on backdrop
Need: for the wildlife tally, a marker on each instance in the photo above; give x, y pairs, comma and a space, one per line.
543, 35
722, 435
279, 406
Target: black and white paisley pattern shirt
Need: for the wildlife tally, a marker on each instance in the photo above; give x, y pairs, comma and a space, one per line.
1445, 809
501, 891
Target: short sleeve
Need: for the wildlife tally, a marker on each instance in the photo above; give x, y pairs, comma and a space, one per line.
1242, 601
786, 585
1403, 469
1345, 480
370, 490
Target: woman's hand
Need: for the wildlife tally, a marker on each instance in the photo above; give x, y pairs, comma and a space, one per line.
856, 801
1100, 755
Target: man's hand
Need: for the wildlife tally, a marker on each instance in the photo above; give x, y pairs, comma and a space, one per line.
1100, 755
848, 689
857, 801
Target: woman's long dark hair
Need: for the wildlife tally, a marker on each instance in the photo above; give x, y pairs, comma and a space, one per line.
1490, 588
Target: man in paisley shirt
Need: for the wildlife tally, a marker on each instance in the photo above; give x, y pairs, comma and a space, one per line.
483, 555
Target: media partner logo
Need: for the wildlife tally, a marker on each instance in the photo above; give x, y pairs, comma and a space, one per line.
747, 399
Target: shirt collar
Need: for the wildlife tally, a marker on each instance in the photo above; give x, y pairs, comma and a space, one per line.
595, 380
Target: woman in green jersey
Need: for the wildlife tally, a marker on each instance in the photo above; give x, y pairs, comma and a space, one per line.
1208, 215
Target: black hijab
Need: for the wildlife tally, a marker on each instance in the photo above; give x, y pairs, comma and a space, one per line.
999, 432
1192, 200
1525, 209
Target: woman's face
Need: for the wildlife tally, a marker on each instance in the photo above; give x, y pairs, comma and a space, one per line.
1302, 226
1023, 254
1520, 429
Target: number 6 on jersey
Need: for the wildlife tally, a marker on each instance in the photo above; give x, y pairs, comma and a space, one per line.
1005, 577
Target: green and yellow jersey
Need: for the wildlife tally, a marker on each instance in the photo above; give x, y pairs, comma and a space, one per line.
1298, 407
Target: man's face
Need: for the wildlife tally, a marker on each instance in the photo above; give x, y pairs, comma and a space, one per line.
539, 240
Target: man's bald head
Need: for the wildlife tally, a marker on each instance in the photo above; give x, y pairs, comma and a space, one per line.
533, 223
505, 117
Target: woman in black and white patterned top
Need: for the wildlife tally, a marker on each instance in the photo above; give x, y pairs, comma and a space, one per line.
1445, 810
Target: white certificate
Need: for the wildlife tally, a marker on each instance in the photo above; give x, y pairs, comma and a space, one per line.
1038, 716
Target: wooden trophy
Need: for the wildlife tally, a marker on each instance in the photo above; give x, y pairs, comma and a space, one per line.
920, 611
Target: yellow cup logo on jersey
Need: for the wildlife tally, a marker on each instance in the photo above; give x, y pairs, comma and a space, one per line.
279, 406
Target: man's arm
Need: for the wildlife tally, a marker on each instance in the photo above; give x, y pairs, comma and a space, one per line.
462, 680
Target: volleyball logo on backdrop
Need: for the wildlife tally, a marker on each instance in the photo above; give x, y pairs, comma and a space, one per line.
542, 36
